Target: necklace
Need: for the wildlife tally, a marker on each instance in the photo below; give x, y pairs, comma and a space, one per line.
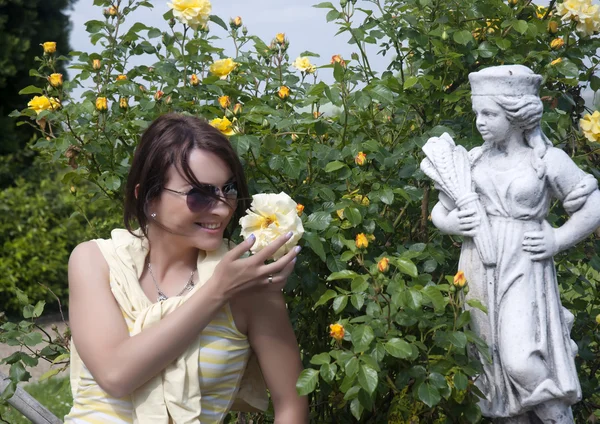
161, 296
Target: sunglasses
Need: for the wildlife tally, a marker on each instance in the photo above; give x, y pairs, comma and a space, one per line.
206, 196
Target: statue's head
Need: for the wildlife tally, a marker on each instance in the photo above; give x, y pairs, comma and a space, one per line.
511, 93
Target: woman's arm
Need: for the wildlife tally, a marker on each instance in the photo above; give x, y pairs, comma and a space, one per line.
272, 338
120, 363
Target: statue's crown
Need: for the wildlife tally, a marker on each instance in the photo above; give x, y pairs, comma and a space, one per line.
505, 80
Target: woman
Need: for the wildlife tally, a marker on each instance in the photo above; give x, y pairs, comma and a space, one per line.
163, 318
516, 173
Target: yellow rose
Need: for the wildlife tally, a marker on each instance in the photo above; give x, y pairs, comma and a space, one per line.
299, 209
112, 11
280, 37
557, 43
121, 77
222, 67
236, 22
237, 109
598, 319
270, 216
194, 80
224, 125
337, 331
552, 27
55, 80
101, 104
360, 159
363, 200
49, 47
158, 95
513, 2
361, 241
340, 213
586, 14
123, 103
96, 64
383, 265
302, 63
224, 101
590, 125
41, 103
284, 92
193, 13
556, 61
336, 58
460, 279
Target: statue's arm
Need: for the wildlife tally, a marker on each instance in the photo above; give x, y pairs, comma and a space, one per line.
581, 223
452, 221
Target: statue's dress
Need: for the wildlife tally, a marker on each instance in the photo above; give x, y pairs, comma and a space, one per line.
530, 344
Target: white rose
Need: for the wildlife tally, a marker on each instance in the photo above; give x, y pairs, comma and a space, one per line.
191, 12
270, 216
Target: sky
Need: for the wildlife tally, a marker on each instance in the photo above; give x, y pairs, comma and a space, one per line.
304, 25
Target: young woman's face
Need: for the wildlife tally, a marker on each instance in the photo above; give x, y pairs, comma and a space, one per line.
491, 121
203, 222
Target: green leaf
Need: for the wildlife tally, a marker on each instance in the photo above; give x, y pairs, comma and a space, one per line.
473, 413
353, 215
327, 372
334, 166
352, 366
463, 37
31, 89
292, 166
567, 68
320, 359
367, 378
338, 72
460, 381
342, 275
32, 339
594, 83
49, 373
39, 309
410, 82
339, 303
94, 26
324, 5
325, 297
359, 284
520, 26
458, 339
429, 394
406, 266
463, 319
475, 303
307, 382
361, 337
218, 21
332, 15
357, 301
399, 348
356, 409
18, 373
487, 50
315, 243
381, 93
318, 221
436, 297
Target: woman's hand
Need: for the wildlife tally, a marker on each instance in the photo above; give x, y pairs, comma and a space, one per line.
235, 273
456, 222
541, 244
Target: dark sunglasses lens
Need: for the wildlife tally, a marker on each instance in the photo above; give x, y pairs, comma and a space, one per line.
197, 200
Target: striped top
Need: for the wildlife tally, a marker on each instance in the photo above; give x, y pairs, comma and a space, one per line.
223, 355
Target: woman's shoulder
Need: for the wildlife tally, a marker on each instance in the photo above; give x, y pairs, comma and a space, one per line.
87, 254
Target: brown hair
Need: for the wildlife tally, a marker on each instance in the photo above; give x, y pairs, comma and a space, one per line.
168, 141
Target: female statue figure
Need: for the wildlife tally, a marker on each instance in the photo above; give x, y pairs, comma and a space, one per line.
516, 174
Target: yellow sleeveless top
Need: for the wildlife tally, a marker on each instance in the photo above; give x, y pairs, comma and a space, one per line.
222, 353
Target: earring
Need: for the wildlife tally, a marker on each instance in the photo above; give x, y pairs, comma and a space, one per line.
153, 215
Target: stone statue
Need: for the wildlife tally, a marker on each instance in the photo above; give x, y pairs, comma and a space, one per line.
497, 196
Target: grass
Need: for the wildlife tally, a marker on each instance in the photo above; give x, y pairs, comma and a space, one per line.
54, 394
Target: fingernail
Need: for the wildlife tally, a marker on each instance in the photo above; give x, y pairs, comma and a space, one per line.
289, 235
251, 238
297, 249
294, 260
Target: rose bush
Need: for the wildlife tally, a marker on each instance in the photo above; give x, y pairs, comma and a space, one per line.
382, 340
